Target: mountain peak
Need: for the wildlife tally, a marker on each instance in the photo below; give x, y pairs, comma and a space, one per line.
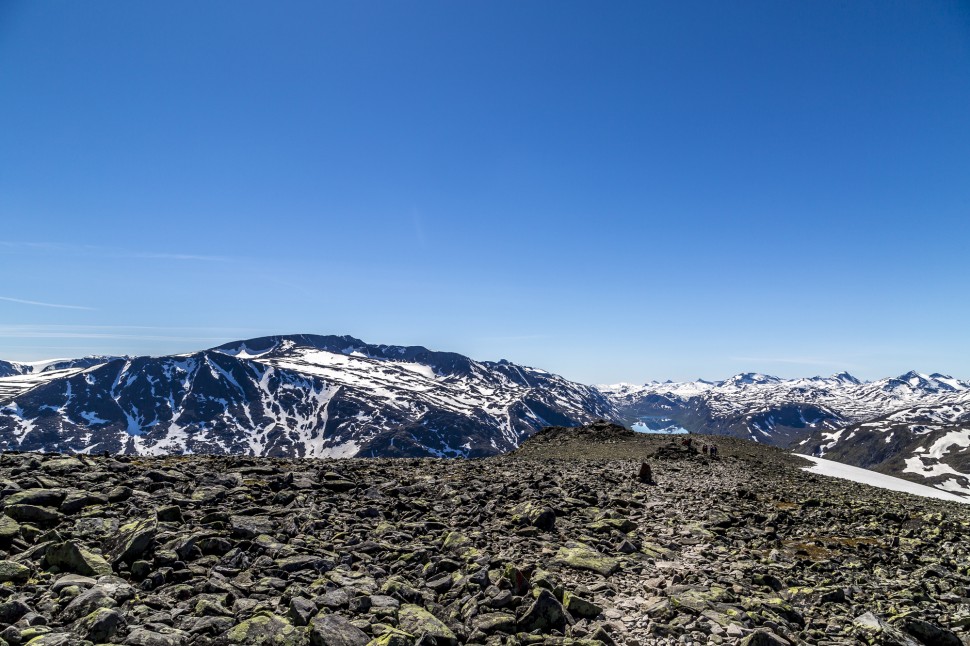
912, 374
746, 378
845, 377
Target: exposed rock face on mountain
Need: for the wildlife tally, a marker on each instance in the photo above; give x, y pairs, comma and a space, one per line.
555, 543
299, 395
915, 426
8, 369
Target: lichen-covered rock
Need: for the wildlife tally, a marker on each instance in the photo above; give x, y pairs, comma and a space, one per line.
334, 630
607, 525
9, 528
301, 611
393, 637
928, 632
579, 607
101, 625
86, 603
545, 614
495, 622
267, 629
418, 622
876, 629
159, 637
35, 514
583, 557
764, 638
13, 611
39, 497
55, 639
531, 513
79, 500
69, 557
10, 571
302, 562
251, 526
133, 539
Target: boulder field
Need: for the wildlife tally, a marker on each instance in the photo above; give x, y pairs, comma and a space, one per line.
556, 543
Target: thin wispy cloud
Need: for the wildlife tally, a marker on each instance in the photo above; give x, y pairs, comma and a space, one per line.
50, 246
135, 327
22, 342
97, 335
110, 252
23, 301
129, 332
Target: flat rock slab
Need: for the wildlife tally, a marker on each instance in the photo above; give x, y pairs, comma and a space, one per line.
335, 630
583, 557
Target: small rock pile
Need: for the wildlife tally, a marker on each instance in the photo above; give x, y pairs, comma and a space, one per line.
557, 543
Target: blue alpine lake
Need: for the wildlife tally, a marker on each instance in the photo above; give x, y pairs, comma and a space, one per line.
658, 425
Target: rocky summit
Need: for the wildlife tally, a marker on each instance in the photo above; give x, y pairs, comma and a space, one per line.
558, 542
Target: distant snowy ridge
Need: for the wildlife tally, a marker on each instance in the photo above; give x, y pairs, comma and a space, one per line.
294, 395
18, 377
843, 394
891, 425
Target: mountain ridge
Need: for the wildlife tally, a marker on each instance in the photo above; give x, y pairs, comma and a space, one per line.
295, 395
309, 395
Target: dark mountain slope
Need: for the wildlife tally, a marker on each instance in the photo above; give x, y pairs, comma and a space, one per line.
296, 395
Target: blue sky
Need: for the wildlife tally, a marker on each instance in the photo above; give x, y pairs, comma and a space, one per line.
610, 191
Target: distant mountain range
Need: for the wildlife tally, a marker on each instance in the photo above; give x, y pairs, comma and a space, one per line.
297, 395
915, 425
337, 396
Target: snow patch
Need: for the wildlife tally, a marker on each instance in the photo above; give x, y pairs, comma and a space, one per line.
345, 450
92, 418
917, 466
959, 438
865, 476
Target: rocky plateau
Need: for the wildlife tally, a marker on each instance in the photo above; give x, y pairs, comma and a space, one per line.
557, 542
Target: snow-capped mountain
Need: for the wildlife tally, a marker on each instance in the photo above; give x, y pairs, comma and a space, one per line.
306, 395
298, 395
13, 368
777, 411
916, 425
